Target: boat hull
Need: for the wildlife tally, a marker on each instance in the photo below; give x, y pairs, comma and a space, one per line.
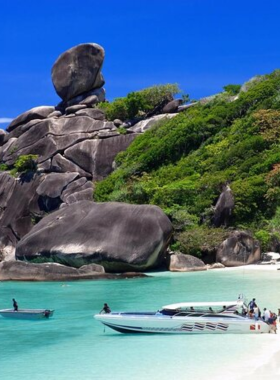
27, 313
182, 325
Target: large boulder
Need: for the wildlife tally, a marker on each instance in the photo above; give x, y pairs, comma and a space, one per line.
172, 106
26, 200
96, 156
62, 165
19, 203
51, 188
91, 97
7, 244
224, 207
118, 236
2, 136
185, 263
40, 112
78, 70
22, 271
239, 248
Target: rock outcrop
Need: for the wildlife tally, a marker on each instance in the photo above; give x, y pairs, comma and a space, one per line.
2, 136
270, 258
78, 70
22, 271
224, 207
185, 263
75, 146
239, 248
172, 106
146, 124
215, 266
118, 236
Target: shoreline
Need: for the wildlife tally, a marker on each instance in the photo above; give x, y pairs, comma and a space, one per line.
266, 267
266, 363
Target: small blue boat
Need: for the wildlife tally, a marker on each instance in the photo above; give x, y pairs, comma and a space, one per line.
27, 313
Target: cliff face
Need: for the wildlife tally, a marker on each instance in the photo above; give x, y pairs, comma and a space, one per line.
74, 146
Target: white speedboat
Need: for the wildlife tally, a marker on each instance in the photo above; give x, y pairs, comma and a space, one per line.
187, 318
27, 313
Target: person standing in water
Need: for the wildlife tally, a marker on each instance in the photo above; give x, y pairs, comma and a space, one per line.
15, 305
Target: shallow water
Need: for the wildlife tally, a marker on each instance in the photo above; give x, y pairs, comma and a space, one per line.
72, 345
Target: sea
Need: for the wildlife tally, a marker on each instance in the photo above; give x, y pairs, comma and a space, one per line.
74, 346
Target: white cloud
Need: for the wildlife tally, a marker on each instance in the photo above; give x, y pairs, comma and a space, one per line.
5, 120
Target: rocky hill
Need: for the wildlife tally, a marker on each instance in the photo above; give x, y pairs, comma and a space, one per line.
51, 157
214, 170
210, 167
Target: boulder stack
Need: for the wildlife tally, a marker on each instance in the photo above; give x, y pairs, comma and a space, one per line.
77, 72
75, 146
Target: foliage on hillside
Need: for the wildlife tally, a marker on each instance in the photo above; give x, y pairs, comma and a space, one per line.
181, 164
139, 103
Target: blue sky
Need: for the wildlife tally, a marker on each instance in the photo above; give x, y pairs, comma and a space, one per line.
201, 45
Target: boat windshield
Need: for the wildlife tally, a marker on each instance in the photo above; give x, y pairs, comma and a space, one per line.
237, 308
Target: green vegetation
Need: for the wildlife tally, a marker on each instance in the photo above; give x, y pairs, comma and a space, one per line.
181, 164
3, 167
122, 130
26, 163
232, 89
139, 103
23, 164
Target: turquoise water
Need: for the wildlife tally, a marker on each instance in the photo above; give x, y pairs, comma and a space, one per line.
72, 345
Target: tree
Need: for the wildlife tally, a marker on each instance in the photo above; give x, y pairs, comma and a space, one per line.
232, 89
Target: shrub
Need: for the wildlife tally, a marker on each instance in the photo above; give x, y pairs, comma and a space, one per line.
122, 131
139, 103
181, 219
26, 163
115, 110
268, 122
199, 240
275, 221
264, 238
3, 167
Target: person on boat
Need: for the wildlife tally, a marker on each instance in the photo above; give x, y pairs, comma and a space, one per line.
272, 322
105, 309
15, 305
256, 312
266, 315
251, 313
252, 304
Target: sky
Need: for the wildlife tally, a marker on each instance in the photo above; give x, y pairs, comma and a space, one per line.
202, 45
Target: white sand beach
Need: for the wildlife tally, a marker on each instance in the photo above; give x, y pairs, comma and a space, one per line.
261, 267
266, 363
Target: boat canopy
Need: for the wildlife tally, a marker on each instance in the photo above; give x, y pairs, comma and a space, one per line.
186, 305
